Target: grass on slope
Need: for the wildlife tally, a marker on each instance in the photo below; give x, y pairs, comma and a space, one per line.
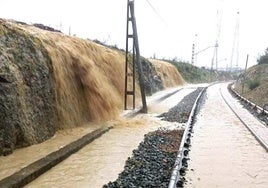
193, 74
255, 82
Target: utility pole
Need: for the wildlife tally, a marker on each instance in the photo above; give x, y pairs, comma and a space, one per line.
193, 48
215, 56
244, 77
235, 48
216, 46
136, 61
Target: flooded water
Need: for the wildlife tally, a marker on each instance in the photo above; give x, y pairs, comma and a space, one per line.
165, 105
103, 159
224, 153
25, 156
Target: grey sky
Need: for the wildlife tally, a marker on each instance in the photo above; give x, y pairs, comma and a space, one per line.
105, 20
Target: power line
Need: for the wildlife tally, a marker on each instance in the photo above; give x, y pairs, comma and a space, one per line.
156, 12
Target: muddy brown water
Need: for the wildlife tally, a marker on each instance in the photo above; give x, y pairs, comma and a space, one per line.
103, 159
20, 158
223, 152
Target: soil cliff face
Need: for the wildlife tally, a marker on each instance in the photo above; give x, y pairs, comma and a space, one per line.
167, 73
50, 81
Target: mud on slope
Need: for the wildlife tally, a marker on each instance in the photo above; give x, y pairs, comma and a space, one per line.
51, 81
167, 73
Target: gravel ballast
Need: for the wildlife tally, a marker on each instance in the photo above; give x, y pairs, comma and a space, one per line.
182, 110
151, 164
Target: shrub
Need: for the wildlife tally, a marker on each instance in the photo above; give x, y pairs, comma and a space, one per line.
263, 59
252, 84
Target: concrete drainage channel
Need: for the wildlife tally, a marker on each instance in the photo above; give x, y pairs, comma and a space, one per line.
32, 171
181, 164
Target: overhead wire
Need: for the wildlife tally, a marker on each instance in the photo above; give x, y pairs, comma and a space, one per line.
156, 12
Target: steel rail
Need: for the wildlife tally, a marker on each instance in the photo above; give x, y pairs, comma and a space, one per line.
259, 139
181, 161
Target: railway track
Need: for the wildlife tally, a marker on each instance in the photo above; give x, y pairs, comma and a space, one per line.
256, 110
181, 165
254, 129
142, 169
176, 179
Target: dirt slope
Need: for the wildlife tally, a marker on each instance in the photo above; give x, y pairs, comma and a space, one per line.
255, 82
168, 73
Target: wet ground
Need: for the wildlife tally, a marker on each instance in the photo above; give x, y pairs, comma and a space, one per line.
224, 153
152, 162
103, 159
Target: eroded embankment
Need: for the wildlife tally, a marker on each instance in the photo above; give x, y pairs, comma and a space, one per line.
51, 81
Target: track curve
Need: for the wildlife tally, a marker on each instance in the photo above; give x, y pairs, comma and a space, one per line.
263, 141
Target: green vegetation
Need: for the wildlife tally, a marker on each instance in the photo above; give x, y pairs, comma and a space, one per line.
252, 84
193, 74
263, 59
190, 73
114, 47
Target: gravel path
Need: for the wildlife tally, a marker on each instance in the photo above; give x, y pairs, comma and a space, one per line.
152, 163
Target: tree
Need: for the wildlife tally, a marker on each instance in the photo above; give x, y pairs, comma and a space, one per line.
263, 59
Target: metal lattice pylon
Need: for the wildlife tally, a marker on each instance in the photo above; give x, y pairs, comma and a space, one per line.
132, 60
235, 47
